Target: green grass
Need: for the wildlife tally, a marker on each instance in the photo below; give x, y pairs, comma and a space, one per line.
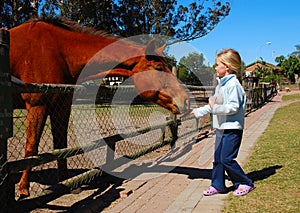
291, 97
274, 166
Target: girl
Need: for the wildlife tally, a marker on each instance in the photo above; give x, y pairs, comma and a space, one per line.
227, 107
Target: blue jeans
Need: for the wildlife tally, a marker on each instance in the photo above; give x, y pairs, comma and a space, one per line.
226, 150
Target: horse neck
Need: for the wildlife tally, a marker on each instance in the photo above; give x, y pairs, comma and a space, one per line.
81, 48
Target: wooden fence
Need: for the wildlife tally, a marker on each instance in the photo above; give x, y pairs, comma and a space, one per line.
258, 96
12, 133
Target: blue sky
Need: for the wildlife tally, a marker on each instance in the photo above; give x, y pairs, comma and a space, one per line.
249, 26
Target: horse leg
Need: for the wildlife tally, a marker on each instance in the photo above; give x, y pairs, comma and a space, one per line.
59, 115
35, 122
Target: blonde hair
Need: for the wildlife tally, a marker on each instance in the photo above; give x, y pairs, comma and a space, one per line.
232, 59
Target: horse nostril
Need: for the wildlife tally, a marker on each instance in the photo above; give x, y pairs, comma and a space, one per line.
177, 108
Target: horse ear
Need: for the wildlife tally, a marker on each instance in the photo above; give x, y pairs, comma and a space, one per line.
152, 50
161, 49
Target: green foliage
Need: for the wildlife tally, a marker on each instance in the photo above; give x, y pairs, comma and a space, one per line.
184, 74
269, 73
262, 73
193, 70
125, 17
271, 78
279, 60
297, 52
290, 67
15, 12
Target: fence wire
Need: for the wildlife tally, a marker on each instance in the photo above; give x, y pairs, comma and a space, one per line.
90, 121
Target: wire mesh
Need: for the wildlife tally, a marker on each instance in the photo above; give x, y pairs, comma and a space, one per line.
125, 123
103, 125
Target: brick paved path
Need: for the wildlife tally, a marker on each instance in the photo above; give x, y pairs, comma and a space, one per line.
181, 189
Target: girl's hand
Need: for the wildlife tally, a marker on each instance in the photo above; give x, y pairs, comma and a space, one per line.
212, 101
189, 112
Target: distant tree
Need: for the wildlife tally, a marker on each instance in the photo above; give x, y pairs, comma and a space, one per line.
183, 74
297, 52
50, 8
184, 22
125, 17
98, 14
279, 60
15, 12
193, 70
262, 73
290, 67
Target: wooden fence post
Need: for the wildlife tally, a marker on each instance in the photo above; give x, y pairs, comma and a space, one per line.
174, 126
6, 121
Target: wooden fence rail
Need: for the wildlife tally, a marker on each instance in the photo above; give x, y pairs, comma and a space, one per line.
258, 96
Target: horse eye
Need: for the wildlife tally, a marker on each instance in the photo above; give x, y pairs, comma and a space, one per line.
159, 68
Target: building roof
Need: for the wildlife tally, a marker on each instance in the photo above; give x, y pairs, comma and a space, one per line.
263, 64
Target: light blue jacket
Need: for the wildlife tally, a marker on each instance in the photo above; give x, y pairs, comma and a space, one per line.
228, 112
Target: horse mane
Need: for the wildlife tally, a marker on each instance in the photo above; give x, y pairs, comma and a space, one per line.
74, 26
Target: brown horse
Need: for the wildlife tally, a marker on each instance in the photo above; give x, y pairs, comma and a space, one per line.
53, 51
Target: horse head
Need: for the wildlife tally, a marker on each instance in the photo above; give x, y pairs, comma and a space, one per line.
149, 71
154, 81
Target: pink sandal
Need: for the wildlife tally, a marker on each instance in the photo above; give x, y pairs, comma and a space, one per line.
243, 190
211, 191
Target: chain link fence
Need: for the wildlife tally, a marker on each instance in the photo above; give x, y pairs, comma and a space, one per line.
98, 133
